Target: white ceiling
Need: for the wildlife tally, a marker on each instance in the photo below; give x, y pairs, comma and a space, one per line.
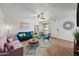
29, 10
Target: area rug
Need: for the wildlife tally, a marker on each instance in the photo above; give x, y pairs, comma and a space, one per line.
36, 51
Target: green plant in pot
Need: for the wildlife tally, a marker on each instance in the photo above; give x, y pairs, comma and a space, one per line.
76, 34
76, 43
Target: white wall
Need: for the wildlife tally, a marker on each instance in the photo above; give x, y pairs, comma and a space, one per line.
58, 24
1, 23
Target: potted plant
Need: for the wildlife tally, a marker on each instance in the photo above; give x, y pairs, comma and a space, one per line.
76, 35
76, 42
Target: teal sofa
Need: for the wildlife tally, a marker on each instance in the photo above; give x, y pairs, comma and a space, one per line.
24, 35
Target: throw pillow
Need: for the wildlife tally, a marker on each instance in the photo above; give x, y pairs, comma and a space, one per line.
20, 35
23, 34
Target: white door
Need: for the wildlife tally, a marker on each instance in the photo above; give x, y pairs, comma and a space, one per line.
53, 28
